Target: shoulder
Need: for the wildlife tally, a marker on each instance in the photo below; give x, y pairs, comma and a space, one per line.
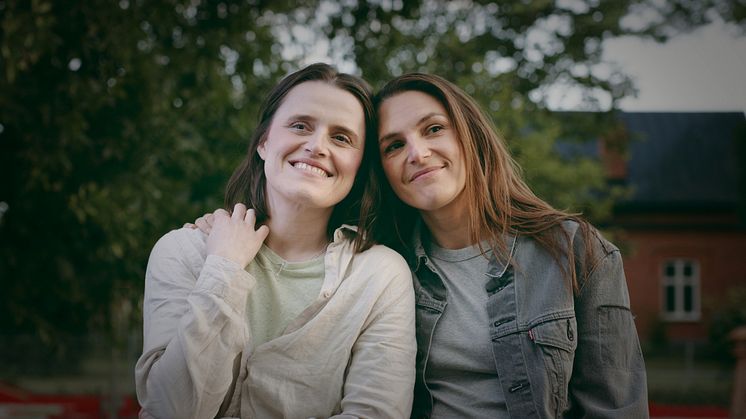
184, 243
584, 236
594, 255
383, 263
380, 254
384, 278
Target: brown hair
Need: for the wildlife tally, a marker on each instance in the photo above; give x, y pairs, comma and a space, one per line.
248, 182
499, 199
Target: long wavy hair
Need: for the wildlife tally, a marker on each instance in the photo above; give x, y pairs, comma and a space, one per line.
499, 200
248, 182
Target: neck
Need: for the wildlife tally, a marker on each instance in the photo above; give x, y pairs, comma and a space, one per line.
298, 235
448, 229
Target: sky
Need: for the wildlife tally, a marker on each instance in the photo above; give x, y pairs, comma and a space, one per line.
704, 70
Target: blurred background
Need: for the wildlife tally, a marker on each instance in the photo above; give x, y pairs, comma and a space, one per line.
121, 120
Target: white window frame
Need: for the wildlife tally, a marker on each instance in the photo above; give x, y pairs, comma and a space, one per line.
679, 281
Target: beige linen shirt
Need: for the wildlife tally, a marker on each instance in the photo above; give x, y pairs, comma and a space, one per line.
350, 354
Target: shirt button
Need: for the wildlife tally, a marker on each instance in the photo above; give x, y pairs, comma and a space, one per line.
327, 294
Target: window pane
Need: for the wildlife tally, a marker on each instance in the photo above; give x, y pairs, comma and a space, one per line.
688, 299
670, 298
687, 269
670, 269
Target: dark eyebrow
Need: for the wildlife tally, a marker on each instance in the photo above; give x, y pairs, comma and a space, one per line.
388, 137
300, 117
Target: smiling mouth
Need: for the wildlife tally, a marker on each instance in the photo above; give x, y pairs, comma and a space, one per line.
424, 172
310, 168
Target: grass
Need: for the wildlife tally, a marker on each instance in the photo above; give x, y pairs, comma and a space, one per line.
674, 378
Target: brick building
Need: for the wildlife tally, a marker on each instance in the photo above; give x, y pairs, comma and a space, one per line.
683, 227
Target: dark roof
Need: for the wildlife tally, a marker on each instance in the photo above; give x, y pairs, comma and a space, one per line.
684, 157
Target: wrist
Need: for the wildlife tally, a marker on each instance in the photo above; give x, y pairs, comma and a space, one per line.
229, 257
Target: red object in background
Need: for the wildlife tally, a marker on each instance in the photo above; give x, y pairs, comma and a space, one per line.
15, 402
668, 411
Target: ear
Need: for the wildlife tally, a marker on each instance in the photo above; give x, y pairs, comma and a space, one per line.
260, 150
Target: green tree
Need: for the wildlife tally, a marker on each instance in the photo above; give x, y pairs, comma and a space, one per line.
119, 121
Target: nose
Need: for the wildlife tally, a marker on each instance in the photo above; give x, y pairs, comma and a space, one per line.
418, 151
317, 143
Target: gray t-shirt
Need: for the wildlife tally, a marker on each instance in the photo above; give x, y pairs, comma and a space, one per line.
461, 369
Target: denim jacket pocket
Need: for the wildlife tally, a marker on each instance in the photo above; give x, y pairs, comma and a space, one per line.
557, 341
558, 333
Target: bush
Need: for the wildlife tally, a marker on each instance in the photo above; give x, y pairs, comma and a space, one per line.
729, 314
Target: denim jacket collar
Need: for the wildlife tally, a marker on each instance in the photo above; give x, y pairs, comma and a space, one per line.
496, 268
418, 255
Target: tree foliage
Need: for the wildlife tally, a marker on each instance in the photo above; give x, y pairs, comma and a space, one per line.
120, 121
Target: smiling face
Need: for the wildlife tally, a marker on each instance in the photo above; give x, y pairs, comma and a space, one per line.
420, 153
313, 148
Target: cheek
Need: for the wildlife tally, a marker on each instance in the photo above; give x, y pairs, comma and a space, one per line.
462, 173
350, 163
389, 169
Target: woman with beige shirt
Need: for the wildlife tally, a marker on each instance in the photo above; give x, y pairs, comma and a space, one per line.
301, 316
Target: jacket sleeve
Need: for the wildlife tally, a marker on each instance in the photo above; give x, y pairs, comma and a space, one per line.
608, 379
193, 330
380, 377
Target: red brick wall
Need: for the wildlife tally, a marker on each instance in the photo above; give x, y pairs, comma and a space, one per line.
722, 260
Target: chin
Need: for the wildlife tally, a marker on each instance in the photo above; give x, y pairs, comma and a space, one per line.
318, 199
430, 203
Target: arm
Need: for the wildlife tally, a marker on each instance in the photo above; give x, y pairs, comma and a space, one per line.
194, 328
380, 378
608, 379
194, 322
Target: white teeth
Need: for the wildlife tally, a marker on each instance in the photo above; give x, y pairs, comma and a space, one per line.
313, 169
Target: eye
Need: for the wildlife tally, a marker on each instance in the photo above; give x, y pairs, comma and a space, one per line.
434, 129
341, 138
392, 146
299, 126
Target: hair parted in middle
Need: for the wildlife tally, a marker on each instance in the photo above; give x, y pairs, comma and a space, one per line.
248, 182
498, 199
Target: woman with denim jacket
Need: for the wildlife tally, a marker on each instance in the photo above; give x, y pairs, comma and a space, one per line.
522, 310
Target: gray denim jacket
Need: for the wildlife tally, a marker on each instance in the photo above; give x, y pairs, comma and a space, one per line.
557, 354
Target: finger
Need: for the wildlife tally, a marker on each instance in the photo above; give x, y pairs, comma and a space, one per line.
202, 225
189, 225
220, 212
262, 232
209, 219
250, 217
239, 211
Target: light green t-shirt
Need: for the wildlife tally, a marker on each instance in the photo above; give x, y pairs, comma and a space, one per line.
283, 290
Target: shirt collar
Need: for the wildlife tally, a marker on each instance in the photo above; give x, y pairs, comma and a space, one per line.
496, 268
344, 232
